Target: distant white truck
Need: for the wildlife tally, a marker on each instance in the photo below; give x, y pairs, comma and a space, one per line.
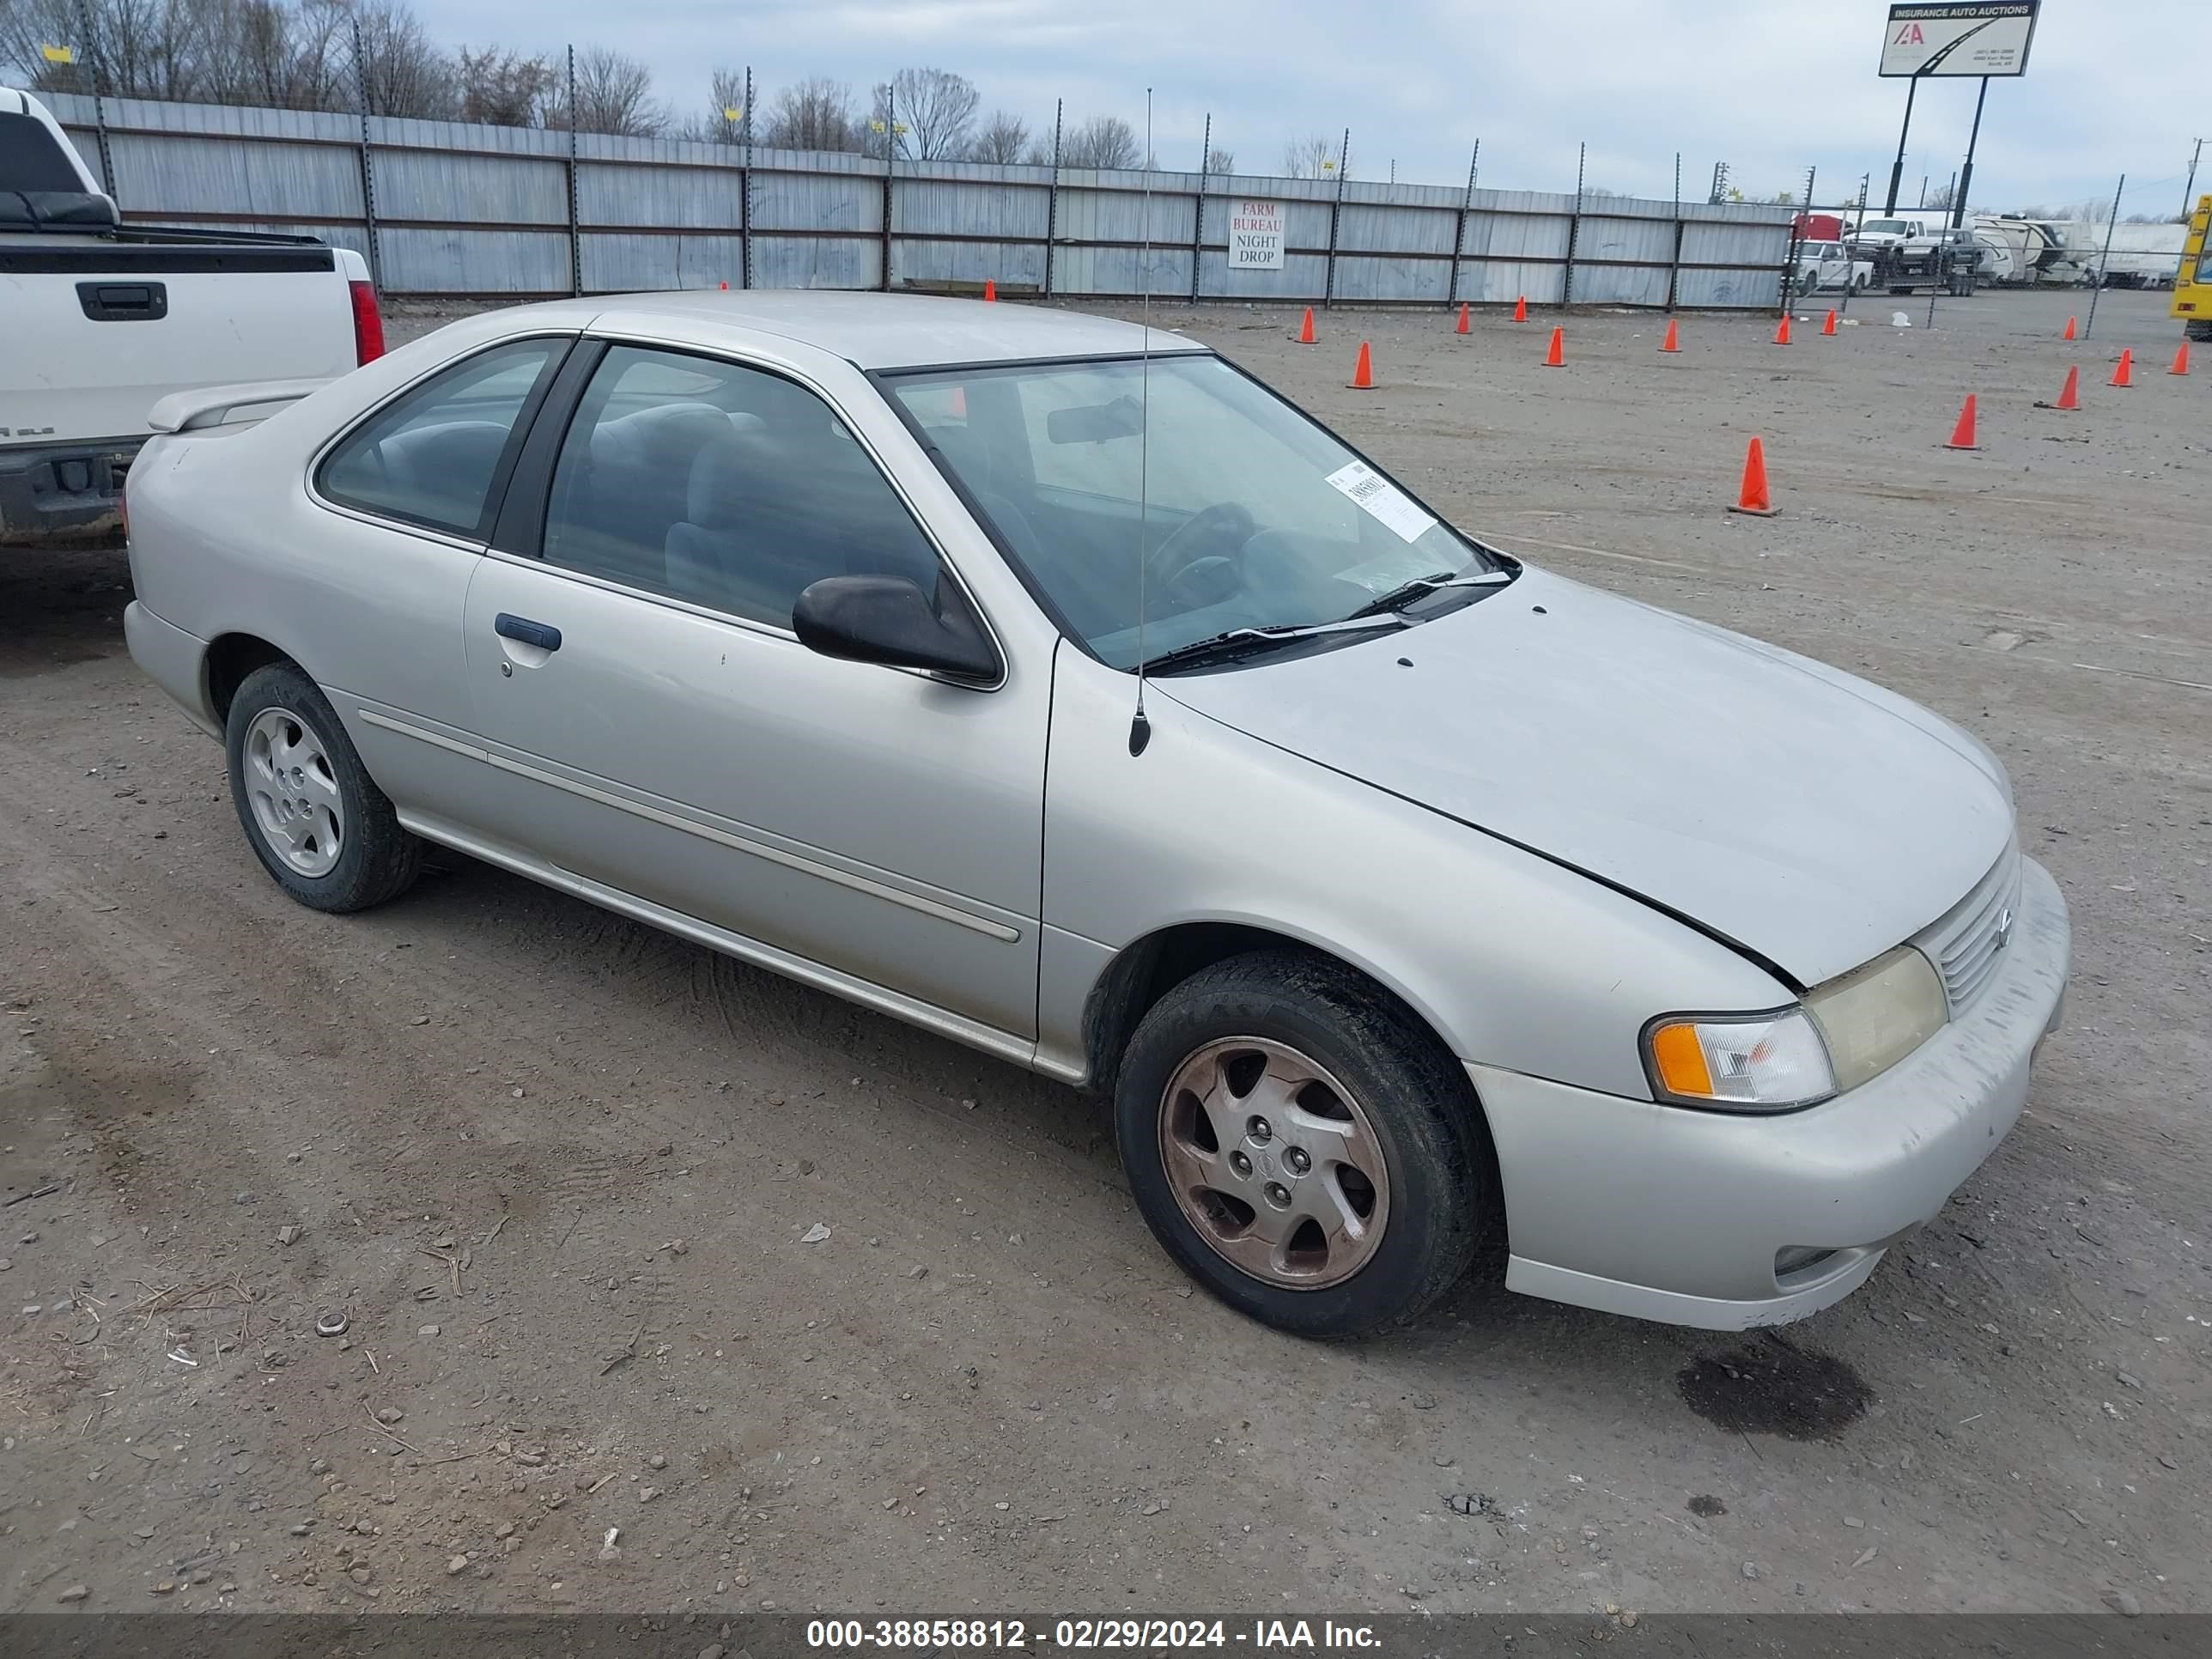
99, 321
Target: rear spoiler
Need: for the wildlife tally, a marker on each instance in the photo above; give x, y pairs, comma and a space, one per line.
219, 405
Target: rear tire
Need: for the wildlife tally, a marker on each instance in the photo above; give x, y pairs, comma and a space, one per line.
1302, 1145
312, 815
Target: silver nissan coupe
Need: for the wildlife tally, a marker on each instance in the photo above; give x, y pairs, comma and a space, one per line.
1052, 684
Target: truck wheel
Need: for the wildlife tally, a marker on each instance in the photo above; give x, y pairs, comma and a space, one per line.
2201, 328
1304, 1147
312, 815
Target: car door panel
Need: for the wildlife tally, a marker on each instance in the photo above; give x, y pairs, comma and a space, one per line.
881, 822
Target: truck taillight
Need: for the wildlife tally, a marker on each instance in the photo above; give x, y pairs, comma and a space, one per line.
367, 324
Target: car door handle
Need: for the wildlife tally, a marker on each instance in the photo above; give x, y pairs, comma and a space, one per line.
544, 636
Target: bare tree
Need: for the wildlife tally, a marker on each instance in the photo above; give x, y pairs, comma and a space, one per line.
724, 123
1003, 138
503, 89
398, 72
1218, 159
261, 53
1103, 141
143, 48
815, 115
1940, 198
614, 94
935, 110
1308, 157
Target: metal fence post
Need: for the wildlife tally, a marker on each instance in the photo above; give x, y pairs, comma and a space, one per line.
890, 155
2104, 259
1198, 217
1458, 233
1336, 214
1674, 265
368, 166
745, 194
99, 65
1574, 228
575, 242
1052, 196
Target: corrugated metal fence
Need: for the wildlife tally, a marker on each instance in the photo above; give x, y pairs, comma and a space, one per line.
443, 208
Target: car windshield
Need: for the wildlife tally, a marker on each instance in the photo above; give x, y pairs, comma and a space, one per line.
1241, 512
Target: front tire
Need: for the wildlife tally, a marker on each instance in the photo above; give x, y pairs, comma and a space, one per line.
1302, 1145
312, 815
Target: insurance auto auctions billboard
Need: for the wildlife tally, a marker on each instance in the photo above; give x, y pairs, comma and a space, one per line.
1986, 40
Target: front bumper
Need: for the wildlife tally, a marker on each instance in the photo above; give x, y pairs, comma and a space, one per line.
1677, 1215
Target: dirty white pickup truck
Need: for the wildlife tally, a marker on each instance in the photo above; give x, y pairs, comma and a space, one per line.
99, 321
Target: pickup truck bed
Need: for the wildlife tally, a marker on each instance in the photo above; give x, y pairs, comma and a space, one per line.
103, 320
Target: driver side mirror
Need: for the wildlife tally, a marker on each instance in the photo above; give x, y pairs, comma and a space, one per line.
890, 620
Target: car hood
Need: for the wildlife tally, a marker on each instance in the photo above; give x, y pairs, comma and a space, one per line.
1804, 815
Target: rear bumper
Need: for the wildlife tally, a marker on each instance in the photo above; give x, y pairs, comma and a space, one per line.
1675, 1215
174, 659
71, 491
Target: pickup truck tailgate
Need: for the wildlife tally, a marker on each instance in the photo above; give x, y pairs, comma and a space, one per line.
100, 331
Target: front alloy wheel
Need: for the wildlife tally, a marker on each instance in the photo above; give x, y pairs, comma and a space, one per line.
1303, 1144
1275, 1163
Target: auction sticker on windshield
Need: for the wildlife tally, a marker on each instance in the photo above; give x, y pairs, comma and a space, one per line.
1379, 495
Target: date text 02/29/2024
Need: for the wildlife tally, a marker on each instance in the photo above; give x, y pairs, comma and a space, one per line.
1291, 1635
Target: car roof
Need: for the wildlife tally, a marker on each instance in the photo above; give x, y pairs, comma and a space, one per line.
873, 331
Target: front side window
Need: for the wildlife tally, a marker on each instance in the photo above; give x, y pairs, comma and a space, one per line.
431, 456
1228, 508
725, 486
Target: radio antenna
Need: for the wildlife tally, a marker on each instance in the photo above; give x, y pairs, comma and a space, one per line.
1140, 729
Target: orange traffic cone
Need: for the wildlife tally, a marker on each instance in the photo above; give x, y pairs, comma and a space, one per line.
1521, 309
1557, 357
990, 289
1306, 333
1363, 375
1829, 327
2125, 375
726, 287
1463, 328
1753, 498
1673, 341
2068, 334
2071, 396
1962, 435
1782, 331
2180, 360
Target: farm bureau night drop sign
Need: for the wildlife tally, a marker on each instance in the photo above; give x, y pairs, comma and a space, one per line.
1256, 236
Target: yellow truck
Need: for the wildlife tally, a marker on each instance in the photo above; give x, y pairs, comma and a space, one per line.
2192, 283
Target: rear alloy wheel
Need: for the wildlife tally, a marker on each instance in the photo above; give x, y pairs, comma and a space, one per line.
1302, 1145
312, 815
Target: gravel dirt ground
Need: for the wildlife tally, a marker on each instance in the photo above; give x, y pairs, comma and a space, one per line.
559, 1172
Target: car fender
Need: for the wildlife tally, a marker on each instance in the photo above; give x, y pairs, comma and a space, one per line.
1513, 960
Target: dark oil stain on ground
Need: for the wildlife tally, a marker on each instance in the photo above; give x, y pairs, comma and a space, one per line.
1774, 1387
1706, 1504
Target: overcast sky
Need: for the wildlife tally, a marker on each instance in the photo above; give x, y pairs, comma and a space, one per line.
1770, 86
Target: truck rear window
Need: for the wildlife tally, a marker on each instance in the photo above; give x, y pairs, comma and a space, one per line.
30, 159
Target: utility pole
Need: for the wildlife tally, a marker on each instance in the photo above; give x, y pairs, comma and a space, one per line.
2189, 189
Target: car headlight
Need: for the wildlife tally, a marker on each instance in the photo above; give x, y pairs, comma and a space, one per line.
1875, 1016
1844, 1034
1769, 1062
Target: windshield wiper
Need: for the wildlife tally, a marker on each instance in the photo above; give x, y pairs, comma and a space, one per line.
1243, 641
1407, 592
